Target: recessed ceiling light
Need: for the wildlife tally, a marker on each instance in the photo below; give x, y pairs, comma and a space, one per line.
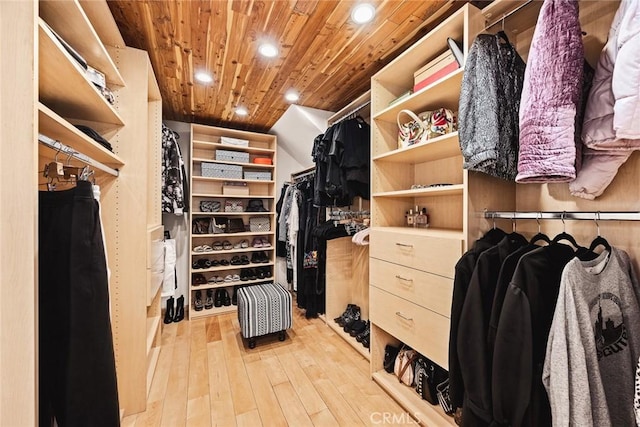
241, 111
291, 96
363, 13
203, 77
268, 50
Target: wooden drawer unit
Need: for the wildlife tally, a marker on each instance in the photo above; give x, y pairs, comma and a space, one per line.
425, 289
435, 255
424, 330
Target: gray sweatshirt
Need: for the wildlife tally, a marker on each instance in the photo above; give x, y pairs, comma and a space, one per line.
592, 348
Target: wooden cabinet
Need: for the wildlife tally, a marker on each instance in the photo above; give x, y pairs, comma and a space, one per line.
412, 269
207, 149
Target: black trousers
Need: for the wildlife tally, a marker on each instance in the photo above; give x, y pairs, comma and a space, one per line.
77, 375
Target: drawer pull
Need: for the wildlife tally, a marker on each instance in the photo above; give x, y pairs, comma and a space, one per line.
404, 245
404, 279
408, 319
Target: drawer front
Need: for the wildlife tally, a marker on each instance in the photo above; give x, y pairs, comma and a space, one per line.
155, 248
432, 254
425, 289
422, 329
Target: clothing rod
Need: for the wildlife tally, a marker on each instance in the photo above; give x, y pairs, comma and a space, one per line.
506, 15
562, 215
66, 150
355, 110
302, 175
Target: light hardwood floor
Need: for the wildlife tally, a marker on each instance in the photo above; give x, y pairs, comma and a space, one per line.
208, 376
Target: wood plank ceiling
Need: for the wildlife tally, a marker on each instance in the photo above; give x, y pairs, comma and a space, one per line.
324, 55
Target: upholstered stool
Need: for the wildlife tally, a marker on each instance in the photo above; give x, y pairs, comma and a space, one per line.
264, 309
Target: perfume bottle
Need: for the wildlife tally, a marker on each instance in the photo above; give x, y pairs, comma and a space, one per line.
422, 219
410, 218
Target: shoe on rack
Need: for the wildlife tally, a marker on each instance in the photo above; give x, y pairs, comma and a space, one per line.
255, 258
252, 274
364, 333
179, 309
234, 298
226, 299
244, 260
352, 316
197, 302
365, 338
343, 315
208, 302
267, 271
260, 273
169, 313
218, 298
356, 327
236, 260
198, 279
244, 274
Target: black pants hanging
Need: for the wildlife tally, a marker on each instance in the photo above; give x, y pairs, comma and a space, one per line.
77, 377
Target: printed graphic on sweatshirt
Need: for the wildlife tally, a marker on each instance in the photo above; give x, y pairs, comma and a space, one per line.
610, 333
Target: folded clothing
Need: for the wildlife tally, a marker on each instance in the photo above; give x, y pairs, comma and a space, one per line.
95, 136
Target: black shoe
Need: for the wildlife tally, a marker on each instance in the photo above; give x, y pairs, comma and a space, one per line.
224, 262
208, 303
343, 315
255, 258
352, 314
234, 298
364, 333
244, 274
252, 274
179, 309
197, 303
356, 327
267, 271
218, 299
260, 273
226, 300
265, 257
168, 313
244, 260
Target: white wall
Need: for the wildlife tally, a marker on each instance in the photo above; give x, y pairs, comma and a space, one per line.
296, 130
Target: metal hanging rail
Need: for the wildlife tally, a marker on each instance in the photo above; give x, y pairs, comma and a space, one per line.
352, 112
565, 215
66, 150
508, 14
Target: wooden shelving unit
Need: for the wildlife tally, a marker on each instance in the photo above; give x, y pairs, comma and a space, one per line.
205, 141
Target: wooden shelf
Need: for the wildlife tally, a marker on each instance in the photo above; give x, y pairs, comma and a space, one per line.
234, 251
193, 314
58, 73
153, 323
68, 19
218, 146
441, 93
233, 196
102, 20
225, 162
221, 235
424, 192
232, 213
348, 338
56, 127
228, 284
248, 181
429, 232
231, 267
427, 414
442, 147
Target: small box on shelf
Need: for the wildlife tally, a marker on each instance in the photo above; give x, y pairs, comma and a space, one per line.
232, 156
219, 170
258, 175
235, 188
227, 140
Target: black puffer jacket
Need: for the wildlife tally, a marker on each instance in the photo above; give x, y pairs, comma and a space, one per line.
489, 106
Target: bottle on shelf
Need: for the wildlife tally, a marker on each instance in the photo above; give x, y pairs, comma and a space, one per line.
410, 218
422, 219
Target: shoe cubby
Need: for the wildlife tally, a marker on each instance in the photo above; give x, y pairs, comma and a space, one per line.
226, 165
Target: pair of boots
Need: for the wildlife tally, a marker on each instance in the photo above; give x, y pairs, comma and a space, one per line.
176, 314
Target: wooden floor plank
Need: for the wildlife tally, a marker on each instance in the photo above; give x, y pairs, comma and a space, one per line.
222, 408
243, 399
213, 329
324, 418
266, 400
174, 411
310, 398
152, 416
199, 412
250, 419
291, 405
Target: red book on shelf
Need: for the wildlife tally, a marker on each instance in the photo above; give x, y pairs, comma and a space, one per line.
436, 76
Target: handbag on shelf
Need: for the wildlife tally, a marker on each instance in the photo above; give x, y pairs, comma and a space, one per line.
258, 224
218, 225
443, 397
428, 377
233, 206
200, 225
235, 225
425, 126
209, 206
403, 367
390, 353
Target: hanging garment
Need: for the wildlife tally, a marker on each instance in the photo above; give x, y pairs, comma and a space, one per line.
463, 272
76, 367
281, 249
170, 280
612, 118
293, 225
474, 356
593, 346
353, 135
489, 105
519, 397
551, 96
173, 191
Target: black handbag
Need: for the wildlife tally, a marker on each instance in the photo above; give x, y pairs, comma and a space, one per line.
390, 353
235, 225
255, 205
200, 225
428, 376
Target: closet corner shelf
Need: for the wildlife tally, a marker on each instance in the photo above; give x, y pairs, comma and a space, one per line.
232, 196
193, 314
250, 181
364, 352
446, 190
231, 267
233, 251
153, 323
58, 72
228, 284
226, 162
429, 232
206, 145
441, 93
442, 147
231, 235
68, 19
427, 414
56, 127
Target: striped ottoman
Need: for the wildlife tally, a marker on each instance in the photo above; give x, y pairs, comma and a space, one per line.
264, 309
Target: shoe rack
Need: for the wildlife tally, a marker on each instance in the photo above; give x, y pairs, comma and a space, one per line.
229, 260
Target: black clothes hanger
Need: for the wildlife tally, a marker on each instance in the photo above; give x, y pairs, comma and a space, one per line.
582, 253
599, 240
540, 235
